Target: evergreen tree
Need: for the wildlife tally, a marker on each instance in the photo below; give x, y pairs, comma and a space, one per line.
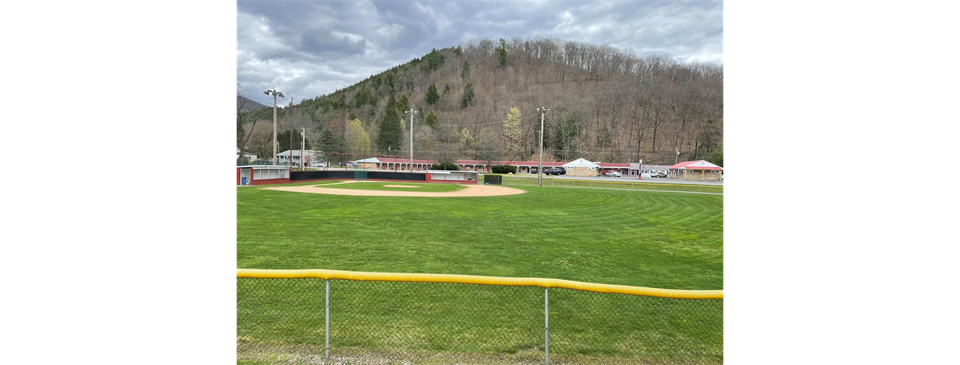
390, 135
434, 60
403, 104
360, 98
431, 120
465, 74
432, 95
283, 138
330, 143
501, 53
391, 81
716, 157
468, 96
458, 51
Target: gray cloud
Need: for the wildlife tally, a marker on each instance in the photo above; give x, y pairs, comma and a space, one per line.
311, 48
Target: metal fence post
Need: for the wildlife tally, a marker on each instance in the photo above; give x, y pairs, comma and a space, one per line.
326, 320
546, 326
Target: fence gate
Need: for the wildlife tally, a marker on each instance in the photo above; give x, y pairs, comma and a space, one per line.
360, 175
493, 179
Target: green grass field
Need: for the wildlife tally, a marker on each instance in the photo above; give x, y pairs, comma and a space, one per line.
379, 185
612, 183
654, 239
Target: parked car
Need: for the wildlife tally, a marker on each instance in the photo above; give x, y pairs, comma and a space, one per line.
659, 174
554, 171
612, 173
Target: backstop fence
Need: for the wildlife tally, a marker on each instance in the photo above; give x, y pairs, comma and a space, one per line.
343, 317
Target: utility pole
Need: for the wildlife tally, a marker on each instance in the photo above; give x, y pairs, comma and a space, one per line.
676, 160
275, 93
303, 144
290, 152
542, 110
411, 112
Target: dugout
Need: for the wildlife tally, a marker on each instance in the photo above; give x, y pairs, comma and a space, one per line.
453, 176
263, 174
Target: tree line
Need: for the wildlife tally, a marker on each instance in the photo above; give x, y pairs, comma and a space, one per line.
481, 96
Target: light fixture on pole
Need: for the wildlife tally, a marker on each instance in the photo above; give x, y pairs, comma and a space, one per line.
275, 94
411, 112
541, 110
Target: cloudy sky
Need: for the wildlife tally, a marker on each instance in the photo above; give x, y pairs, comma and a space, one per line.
310, 48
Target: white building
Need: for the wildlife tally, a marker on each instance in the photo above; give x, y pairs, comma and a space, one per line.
312, 158
581, 167
250, 156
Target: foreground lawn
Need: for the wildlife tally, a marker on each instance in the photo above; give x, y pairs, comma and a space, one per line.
654, 239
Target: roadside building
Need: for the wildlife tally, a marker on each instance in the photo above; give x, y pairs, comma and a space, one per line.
623, 168
582, 167
699, 170
392, 164
292, 158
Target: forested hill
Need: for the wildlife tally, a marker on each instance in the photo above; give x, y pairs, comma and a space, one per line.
246, 105
479, 100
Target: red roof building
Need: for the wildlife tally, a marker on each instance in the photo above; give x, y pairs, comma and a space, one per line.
696, 170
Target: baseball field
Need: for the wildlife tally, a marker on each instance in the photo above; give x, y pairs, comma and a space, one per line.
638, 238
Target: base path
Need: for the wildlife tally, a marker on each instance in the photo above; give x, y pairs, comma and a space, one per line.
470, 190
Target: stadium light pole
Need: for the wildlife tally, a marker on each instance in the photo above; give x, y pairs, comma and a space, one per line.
542, 110
411, 112
290, 155
275, 93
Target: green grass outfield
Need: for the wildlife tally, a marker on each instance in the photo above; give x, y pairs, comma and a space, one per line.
612, 183
653, 239
379, 185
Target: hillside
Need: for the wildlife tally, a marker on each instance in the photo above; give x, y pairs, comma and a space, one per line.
605, 105
246, 105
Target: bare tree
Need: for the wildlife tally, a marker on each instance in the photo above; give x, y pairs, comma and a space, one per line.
242, 135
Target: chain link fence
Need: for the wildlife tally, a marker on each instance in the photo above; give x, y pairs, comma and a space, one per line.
384, 322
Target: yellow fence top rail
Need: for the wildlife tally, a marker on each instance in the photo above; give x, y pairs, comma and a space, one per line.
482, 280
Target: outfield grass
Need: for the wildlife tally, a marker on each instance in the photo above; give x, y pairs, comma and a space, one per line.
652, 239
379, 185
612, 183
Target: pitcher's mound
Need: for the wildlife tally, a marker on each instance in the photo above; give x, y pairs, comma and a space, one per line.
470, 190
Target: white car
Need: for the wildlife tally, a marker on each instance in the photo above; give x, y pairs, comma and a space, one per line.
612, 174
